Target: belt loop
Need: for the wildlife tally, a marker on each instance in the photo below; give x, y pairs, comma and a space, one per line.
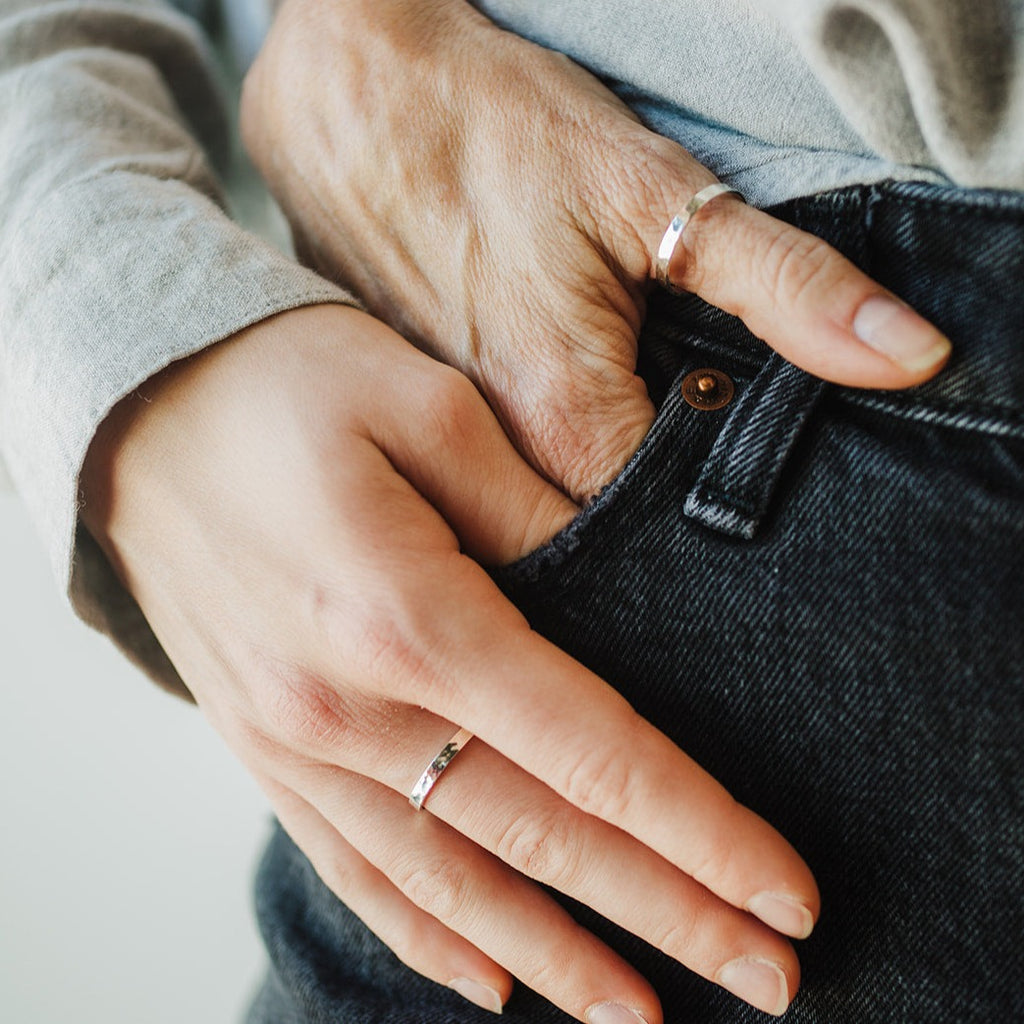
732, 493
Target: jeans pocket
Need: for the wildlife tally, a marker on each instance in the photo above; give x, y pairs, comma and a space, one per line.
670, 456
722, 461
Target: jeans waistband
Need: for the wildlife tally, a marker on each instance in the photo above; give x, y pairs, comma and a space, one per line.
956, 256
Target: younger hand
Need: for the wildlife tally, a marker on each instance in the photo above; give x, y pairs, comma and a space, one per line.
280, 506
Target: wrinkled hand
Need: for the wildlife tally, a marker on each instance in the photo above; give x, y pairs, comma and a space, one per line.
279, 507
497, 205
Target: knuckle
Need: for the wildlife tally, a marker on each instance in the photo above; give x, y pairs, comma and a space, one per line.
255, 741
614, 441
339, 874
603, 785
409, 941
647, 175
255, 115
398, 649
681, 939
549, 974
248, 113
717, 862
303, 712
644, 168
302, 709
546, 409
451, 409
441, 887
546, 846
543, 421
389, 642
796, 264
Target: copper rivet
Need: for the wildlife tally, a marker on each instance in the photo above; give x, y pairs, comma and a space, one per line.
708, 389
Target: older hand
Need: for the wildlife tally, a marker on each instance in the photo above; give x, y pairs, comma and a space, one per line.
498, 206
279, 507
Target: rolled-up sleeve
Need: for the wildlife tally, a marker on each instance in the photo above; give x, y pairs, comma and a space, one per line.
116, 256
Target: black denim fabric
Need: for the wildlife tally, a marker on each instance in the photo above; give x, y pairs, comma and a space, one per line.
818, 593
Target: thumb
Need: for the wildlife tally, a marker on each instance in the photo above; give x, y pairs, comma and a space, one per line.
804, 299
790, 288
449, 446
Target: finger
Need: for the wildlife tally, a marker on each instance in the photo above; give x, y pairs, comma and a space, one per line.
808, 302
511, 814
578, 420
474, 661
445, 441
442, 636
519, 819
450, 642
574, 404
570, 729
417, 938
791, 289
475, 896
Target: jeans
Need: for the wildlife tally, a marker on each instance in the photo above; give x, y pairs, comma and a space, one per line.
818, 593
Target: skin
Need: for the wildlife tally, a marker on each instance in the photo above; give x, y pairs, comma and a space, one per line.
496, 205
302, 511
307, 553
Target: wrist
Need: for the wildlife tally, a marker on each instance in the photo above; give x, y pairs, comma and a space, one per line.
117, 453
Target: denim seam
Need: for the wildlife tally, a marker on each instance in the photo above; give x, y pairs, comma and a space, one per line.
740, 479
723, 500
999, 204
975, 408
671, 422
1005, 424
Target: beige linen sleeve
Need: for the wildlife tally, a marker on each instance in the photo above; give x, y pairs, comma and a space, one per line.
116, 257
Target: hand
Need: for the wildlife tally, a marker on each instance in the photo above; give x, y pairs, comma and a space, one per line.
279, 507
497, 205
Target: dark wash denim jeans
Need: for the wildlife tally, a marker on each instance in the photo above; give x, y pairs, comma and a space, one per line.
818, 593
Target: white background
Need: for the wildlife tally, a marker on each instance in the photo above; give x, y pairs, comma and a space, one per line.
128, 835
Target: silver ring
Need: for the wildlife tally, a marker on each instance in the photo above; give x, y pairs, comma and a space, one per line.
433, 771
675, 230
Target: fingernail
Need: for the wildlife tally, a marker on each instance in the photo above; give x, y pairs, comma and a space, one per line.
758, 982
476, 993
894, 329
613, 1013
784, 913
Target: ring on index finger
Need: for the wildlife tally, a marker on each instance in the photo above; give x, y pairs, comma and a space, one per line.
676, 227
433, 771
